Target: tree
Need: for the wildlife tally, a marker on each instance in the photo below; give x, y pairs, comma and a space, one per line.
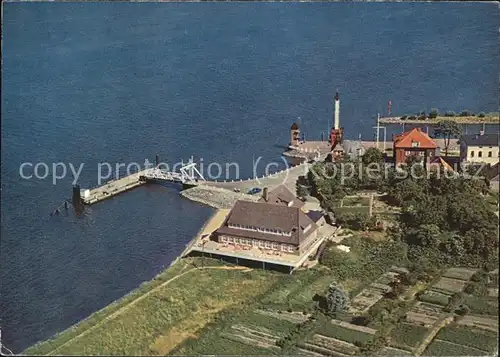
336, 298
428, 235
433, 113
447, 129
373, 155
302, 192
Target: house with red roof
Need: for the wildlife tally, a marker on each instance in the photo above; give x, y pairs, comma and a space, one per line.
413, 143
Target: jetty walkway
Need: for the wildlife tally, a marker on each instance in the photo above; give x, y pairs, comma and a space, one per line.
189, 177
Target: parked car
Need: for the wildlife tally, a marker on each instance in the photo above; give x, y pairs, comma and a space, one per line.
254, 190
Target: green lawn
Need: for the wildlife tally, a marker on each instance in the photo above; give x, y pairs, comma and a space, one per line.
443, 348
355, 209
469, 336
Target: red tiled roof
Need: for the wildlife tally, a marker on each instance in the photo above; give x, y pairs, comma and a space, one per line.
406, 139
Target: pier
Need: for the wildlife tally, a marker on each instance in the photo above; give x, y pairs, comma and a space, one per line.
187, 177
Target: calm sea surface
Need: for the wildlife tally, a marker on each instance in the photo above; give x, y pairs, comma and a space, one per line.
119, 82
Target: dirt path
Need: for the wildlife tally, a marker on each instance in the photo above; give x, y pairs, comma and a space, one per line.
437, 327
133, 302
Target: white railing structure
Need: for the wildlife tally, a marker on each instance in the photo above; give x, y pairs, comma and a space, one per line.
188, 173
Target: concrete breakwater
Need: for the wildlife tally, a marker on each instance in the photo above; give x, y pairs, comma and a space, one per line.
216, 197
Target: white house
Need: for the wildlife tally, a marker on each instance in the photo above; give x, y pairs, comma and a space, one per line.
479, 148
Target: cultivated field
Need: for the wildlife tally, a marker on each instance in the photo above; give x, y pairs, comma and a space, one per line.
406, 336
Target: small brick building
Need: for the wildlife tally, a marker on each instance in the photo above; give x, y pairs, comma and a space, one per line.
413, 142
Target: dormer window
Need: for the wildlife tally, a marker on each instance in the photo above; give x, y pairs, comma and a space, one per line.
415, 144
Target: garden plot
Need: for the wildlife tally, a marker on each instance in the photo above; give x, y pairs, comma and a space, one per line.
371, 294
343, 333
399, 270
387, 278
493, 292
305, 352
252, 336
424, 314
293, 317
434, 297
482, 305
350, 326
321, 350
391, 351
449, 286
333, 344
486, 323
364, 300
443, 348
470, 337
408, 336
459, 273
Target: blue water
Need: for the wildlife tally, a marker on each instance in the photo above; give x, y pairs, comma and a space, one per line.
119, 82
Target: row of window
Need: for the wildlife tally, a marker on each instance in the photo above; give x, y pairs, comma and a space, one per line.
480, 153
257, 229
257, 243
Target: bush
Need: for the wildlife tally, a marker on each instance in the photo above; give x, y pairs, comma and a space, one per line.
412, 117
465, 113
462, 310
450, 113
481, 115
404, 117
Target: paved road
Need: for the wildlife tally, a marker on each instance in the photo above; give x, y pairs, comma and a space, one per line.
287, 177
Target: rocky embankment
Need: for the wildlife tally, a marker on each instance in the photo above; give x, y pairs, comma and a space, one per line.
216, 197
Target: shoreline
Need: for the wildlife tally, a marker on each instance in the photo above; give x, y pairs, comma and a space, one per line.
470, 120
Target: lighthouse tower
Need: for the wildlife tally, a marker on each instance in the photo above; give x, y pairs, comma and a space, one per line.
294, 135
337, 132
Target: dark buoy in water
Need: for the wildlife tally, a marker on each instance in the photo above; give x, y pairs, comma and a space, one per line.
77, 199
65, 204
56, 212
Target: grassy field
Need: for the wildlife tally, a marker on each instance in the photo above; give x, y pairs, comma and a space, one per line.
162, 314
443, 348
470, 337
297, 291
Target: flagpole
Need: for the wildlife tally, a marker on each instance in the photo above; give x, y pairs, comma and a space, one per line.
378, 127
